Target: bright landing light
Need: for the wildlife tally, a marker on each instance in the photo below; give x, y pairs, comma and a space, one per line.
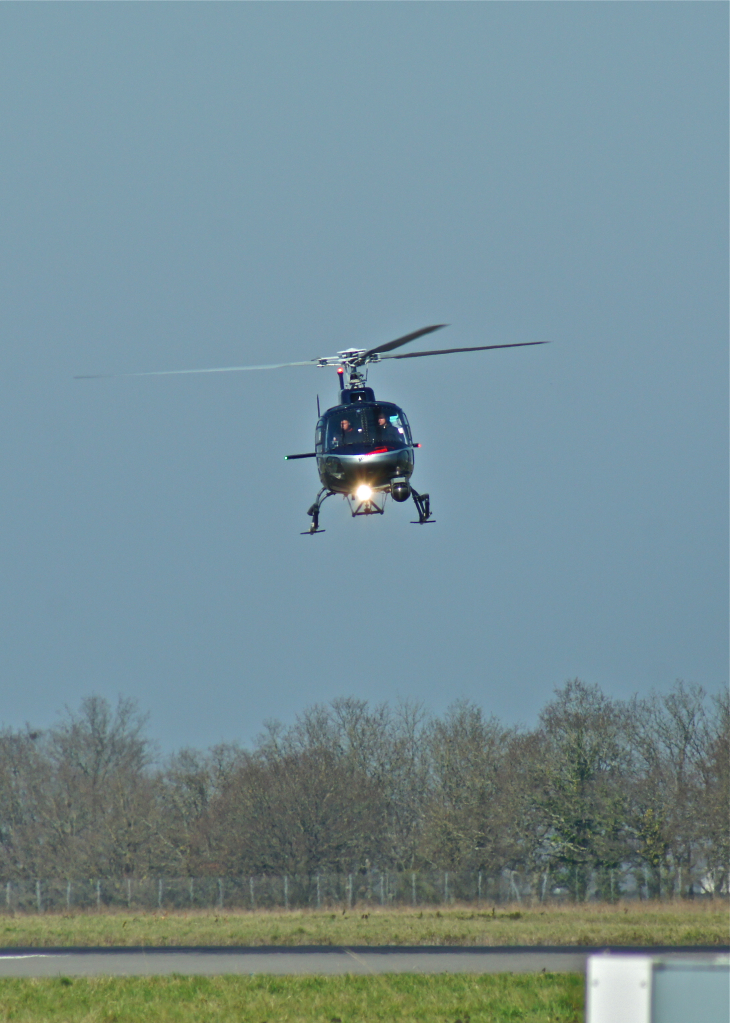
363, 492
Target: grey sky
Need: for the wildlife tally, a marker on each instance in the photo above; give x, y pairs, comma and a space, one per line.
211, 184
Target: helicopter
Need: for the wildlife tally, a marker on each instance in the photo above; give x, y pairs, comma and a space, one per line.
363, 447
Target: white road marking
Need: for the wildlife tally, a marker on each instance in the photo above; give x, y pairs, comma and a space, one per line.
38, 955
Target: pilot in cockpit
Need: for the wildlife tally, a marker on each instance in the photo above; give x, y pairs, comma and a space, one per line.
344, 435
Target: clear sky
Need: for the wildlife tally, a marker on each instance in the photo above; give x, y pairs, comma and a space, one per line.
212, 184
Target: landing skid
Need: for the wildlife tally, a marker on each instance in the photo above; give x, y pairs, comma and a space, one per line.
370, 507
423, 506
314, 511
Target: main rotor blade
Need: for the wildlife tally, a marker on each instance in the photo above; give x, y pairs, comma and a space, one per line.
389, 345
449, 351
185, 372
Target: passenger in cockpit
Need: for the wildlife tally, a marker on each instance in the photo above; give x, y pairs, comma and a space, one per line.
387, 431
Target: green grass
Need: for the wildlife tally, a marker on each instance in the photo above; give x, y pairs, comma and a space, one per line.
631, 923
545, 998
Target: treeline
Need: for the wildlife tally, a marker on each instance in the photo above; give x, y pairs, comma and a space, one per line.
599, 787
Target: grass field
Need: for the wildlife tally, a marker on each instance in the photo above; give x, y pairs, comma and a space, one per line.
634, 923
545, 998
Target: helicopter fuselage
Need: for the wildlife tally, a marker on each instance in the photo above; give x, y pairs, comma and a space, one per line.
363, 442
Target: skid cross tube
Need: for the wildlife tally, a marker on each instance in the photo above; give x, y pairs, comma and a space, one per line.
366, 507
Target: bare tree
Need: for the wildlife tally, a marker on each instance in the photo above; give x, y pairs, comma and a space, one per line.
25, 777
714, 767
599, 785
466, 824
99, 806
187, 788
386, 746
297, 814
389, 746
581, 793
680, 752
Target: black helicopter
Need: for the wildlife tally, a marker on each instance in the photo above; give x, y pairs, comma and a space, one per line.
364, 448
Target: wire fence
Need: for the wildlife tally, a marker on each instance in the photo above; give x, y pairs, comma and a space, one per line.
317, 891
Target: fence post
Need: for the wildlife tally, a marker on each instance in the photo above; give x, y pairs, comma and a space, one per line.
381, 891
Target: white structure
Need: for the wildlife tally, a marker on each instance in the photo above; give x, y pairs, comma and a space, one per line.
641, 989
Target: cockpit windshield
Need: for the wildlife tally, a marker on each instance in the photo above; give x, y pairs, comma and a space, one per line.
367, 430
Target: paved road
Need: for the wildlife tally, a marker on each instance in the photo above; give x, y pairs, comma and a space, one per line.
127, 962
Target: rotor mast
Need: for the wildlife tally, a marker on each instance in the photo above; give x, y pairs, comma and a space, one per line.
352, 363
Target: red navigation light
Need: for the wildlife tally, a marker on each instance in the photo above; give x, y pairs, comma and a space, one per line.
340, 370
377, 451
